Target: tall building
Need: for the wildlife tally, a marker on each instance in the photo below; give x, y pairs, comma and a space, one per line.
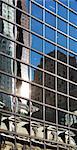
38, 74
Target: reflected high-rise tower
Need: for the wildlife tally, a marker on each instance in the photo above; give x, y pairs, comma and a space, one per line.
6, 47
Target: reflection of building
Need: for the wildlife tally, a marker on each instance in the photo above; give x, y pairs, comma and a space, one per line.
7, 47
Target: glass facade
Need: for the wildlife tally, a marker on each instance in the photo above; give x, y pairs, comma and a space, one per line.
38, 74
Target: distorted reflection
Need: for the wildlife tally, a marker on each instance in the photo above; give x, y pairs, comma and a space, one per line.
7, 122
37, 130
50, 133
7, 142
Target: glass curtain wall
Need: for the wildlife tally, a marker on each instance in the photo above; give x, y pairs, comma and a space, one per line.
38, 74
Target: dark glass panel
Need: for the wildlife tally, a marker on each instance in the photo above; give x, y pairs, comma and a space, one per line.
62, 54
50, 114
50, 98
62, 102
73, 75
36, 93
49, 64
49, 81
62, 70
62, 85
73, 90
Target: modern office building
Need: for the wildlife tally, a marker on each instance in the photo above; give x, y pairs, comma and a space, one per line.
38, 74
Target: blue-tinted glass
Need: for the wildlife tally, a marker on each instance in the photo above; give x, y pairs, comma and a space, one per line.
36, 59
51, 5
73, 17
36, 26
64, 2
62, 40
62, 11
62, 25
50, 19
37, 11
73, 31
39, 1
50, 34
73, 4
49, 49
62, 54
73, 45
36, 43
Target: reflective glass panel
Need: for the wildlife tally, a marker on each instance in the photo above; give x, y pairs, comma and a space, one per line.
73, 17
62, 25
62, 54
72, 90
50, 34
73, 4
49, 49
72, 59
72, 45
37, 11
62, 102
62, 85
62, 70
62, 11
50, 19
50, 98
36, 26
73, 31
50, 114
73, 75
51, 5
62, 40
36, 59
49, 81
37, 43
49, 64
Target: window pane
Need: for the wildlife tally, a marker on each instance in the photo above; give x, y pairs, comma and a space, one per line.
50, 98
49, 81
62, 85
73, 4
62, 40
37, 11
62, 102
49, 64
72, 105
73, 45
62, 25
50, 34
73, 18
73, 31
51, 5
49, 49
36, 26
37, 43
73, 75
64, 2
36, 59
62, 118
36, 76
40, 1
36, 93
62, 54
62, 70
73, 90
50, 114
62, 11
50, 19
72, 59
